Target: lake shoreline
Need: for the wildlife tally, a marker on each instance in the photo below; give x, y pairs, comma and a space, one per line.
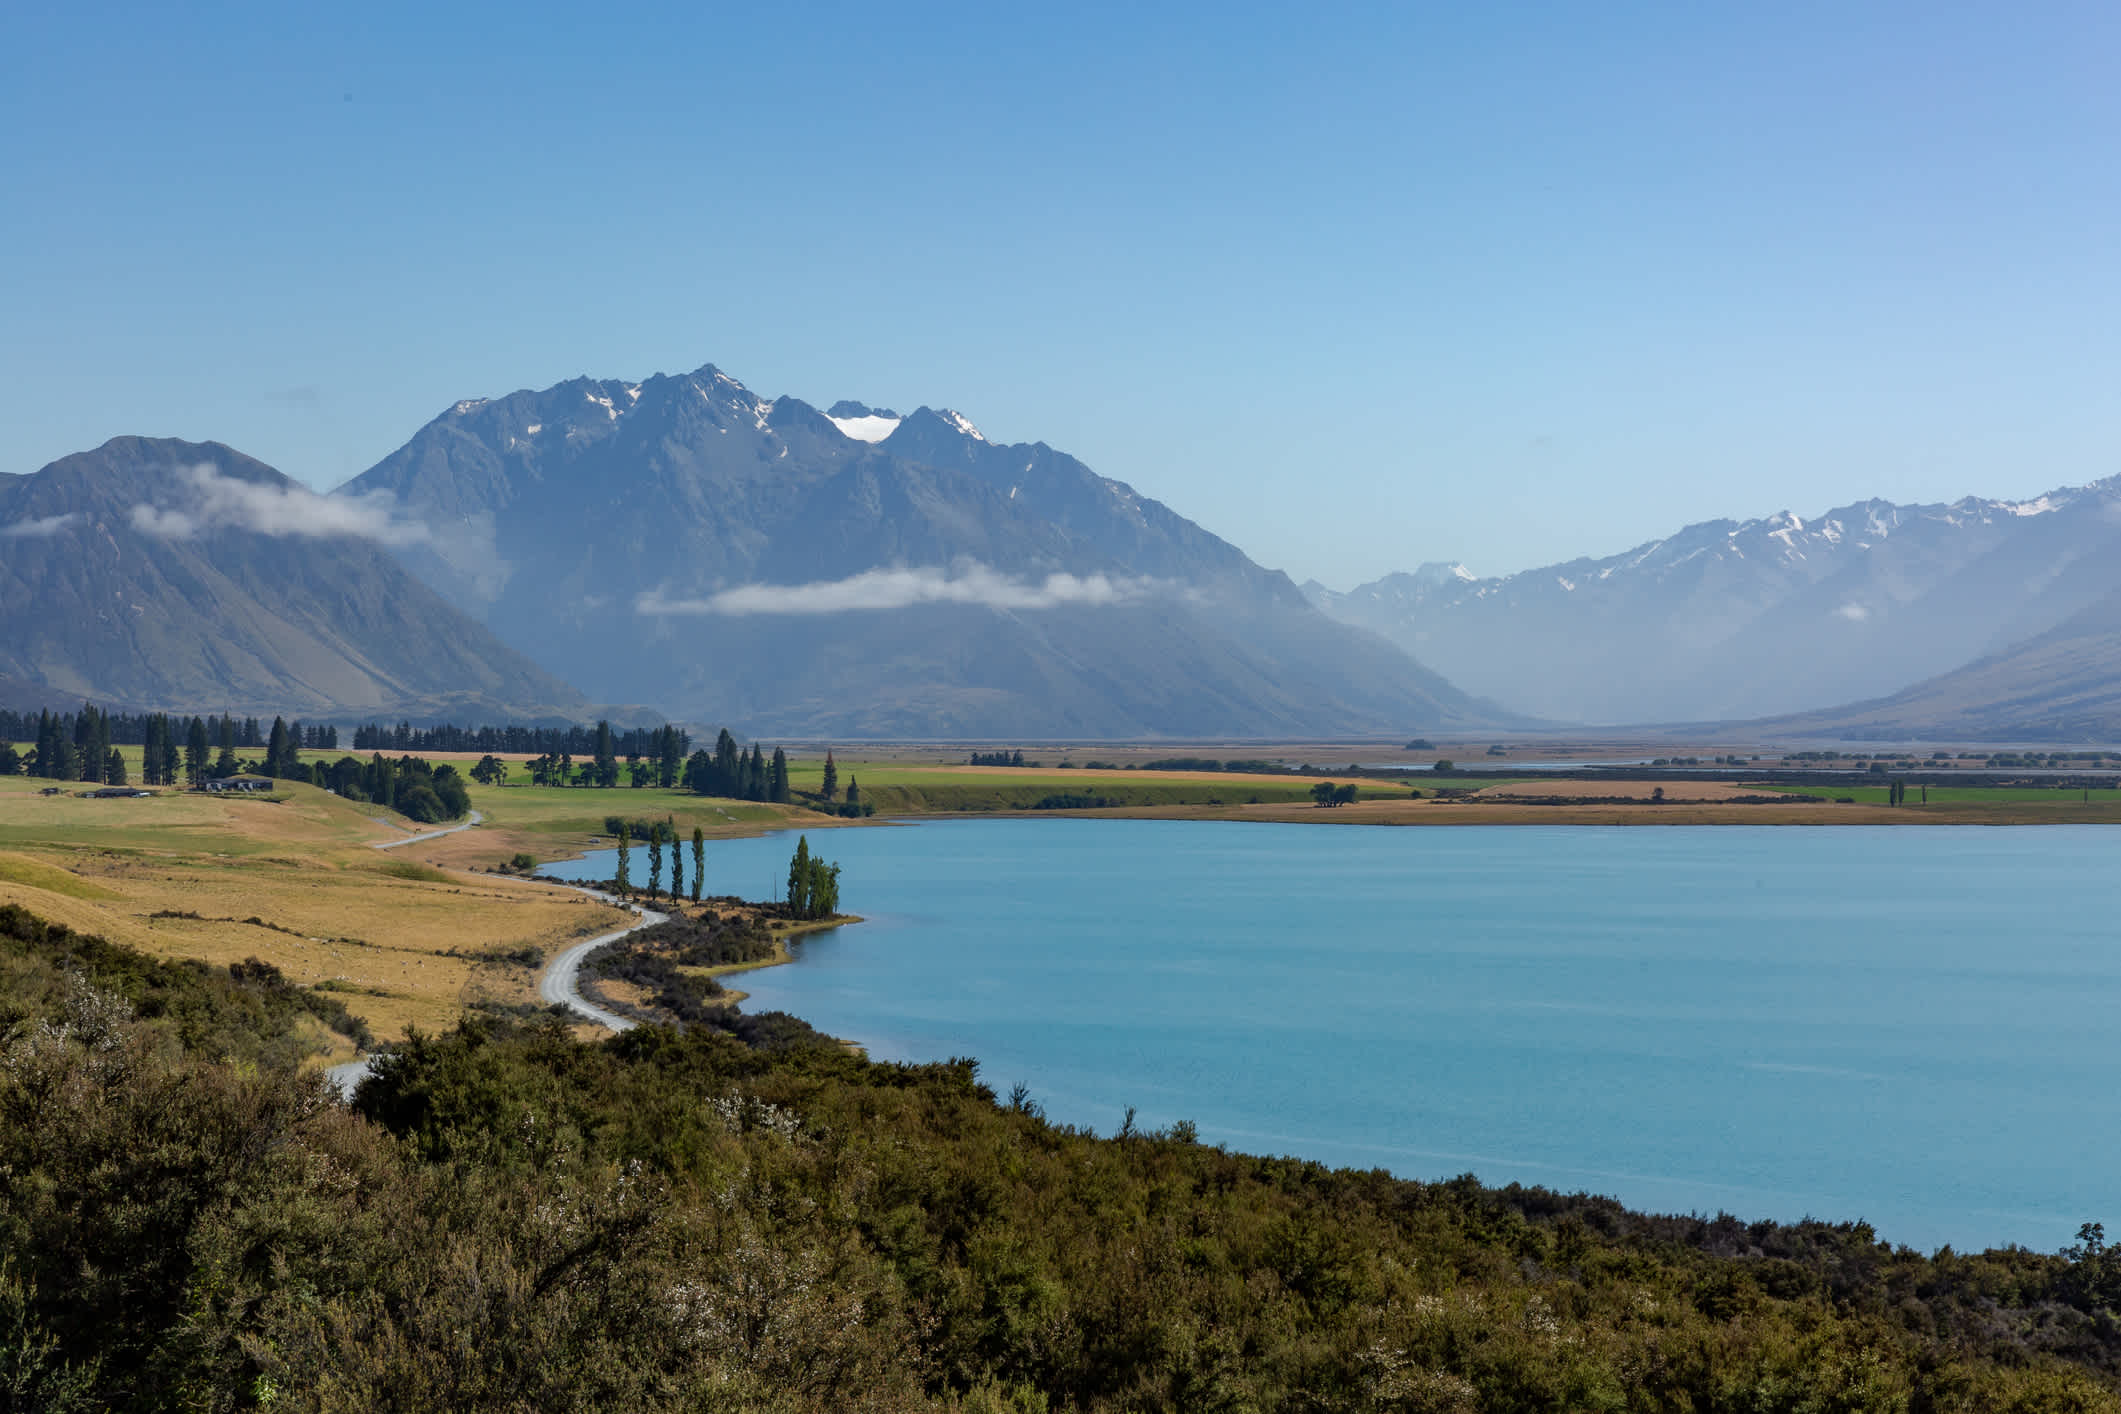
1681, 972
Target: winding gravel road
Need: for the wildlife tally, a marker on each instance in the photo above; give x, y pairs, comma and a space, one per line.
558, 985
476, 817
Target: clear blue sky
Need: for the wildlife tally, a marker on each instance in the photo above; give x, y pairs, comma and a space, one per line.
1355, 287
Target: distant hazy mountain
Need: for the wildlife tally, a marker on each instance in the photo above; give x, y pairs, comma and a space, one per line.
157, 573
1729, 620
611, 530
2060, 686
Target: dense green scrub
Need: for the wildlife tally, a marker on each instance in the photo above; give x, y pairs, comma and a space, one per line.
511, 1219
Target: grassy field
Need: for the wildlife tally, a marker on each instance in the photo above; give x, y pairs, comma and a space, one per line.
293, 880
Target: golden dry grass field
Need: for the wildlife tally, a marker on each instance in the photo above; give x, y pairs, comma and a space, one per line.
407, 937
294, 881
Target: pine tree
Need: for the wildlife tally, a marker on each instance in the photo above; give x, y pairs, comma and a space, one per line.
831, 785
607, 761
225, 762
777, 778
276, 752
854, 792
91, 743
114, 767
625, 880
699, 861
728, 766
669, 755
63, 765
195, 753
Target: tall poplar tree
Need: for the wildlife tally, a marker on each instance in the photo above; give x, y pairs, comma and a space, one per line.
677, 863
625, 879
699, 861
655, 861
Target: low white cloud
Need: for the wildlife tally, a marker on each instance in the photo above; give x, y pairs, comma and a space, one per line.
904, 588
1854, 613
38, 528
214, 502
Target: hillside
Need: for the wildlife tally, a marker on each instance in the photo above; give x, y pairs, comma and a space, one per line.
2060, 686
685, 542
1736, 620
158, 573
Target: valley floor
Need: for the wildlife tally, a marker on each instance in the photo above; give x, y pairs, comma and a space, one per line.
412, 936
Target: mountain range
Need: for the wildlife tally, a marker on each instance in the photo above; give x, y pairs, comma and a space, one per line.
158, 573
1781, 615
685, 542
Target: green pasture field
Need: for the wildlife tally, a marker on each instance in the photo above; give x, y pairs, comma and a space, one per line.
890, 787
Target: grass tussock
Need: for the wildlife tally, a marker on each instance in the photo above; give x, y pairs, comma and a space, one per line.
416, 873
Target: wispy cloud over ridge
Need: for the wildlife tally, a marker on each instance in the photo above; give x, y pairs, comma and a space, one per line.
38, 528
216, 502
904, 588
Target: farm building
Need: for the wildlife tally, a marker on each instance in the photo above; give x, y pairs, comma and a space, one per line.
238, 783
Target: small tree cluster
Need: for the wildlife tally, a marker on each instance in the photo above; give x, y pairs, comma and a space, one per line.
738, 774
813, 885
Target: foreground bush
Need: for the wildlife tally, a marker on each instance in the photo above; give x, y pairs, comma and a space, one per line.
510, 1219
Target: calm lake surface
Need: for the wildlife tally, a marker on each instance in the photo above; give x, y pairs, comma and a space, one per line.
1912, 1026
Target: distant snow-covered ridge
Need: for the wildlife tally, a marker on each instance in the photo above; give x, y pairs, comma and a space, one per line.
1775, 614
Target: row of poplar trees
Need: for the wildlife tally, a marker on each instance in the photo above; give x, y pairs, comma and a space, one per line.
662, 833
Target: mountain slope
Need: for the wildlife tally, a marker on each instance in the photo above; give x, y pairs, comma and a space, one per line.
157, 573
2063, 685
611, 529
1728, 620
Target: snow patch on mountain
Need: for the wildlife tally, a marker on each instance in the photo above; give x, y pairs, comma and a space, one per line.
870, 427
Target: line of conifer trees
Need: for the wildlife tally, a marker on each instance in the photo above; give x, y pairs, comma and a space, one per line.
738, 774
82, 746
518, 740
132, 728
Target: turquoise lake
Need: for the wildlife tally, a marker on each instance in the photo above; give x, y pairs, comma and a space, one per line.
1912, 1026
